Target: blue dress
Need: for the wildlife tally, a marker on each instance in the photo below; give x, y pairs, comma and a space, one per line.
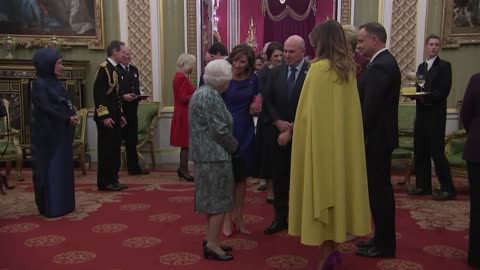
238, 98
51, 139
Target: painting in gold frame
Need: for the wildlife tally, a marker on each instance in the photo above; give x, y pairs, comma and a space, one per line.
460, 22
32, 23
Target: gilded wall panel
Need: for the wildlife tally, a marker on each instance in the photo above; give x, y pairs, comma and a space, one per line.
346, 12
139, 40
403, 34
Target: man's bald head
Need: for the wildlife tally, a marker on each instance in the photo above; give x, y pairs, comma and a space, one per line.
294, 50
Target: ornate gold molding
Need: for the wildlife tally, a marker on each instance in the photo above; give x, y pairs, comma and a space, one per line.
452, 35
139, 40
288, 11
346, 15
93, 41
192, 34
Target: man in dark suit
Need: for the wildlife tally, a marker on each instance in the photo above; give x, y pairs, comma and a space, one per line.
379, 89
216, 51
130, 88
431, 117
281, 95
108, 118
470, 116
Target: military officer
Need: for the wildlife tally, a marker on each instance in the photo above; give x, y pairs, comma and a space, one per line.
108, 118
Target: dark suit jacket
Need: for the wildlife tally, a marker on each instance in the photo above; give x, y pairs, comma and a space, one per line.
470, 117
432, 110
438, 81
379, 90
276, 102
129, 83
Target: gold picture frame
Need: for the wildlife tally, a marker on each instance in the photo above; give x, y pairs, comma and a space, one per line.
460, 24
33, 23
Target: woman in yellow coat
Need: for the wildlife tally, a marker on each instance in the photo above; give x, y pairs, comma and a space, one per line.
328, 182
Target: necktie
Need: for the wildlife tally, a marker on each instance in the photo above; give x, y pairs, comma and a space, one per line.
128, 69
291, 81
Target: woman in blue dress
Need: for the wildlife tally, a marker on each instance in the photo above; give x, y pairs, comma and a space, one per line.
239, 99
52, 121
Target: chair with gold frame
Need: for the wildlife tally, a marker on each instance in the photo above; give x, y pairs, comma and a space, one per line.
403, 155
148, 114
10, 149
79, 138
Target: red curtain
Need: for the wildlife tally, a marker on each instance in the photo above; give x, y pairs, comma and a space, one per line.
281, 30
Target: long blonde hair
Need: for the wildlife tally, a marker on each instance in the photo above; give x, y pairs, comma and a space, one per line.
330, 43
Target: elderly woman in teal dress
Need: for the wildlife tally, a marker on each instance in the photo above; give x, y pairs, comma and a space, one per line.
211, 147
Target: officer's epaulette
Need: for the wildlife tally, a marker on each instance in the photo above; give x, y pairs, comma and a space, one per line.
104, 63
133, 66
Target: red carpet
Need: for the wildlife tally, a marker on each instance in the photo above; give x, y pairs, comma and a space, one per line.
152, 226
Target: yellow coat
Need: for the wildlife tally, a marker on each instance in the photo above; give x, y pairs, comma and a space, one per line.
328, 180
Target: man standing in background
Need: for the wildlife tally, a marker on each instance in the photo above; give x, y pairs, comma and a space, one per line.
430, 121
282, 91
130, 88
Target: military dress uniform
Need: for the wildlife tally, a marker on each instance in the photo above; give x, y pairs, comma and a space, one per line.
108, 104
130, 85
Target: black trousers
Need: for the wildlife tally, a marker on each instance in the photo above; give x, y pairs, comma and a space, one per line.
474, 238
130, 136
108, 144
382, 202
429, 143
281, 180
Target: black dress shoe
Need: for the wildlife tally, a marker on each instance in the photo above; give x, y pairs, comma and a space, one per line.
275, 227
366, 244
419, 191
374, 252
110, 187
121, 186
208, 253
223, 247
444, 196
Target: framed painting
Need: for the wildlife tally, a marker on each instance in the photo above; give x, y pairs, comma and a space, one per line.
460, 22
34, 22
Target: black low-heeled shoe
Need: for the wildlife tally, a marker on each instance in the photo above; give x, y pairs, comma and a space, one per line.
223, 247
187, 178
208, 253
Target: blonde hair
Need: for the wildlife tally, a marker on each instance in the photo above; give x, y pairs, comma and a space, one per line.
351, 36
330, 43
186, 63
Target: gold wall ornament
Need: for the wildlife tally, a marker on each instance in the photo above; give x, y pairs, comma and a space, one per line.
54, 43
9, 45
288, 11
252, 34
